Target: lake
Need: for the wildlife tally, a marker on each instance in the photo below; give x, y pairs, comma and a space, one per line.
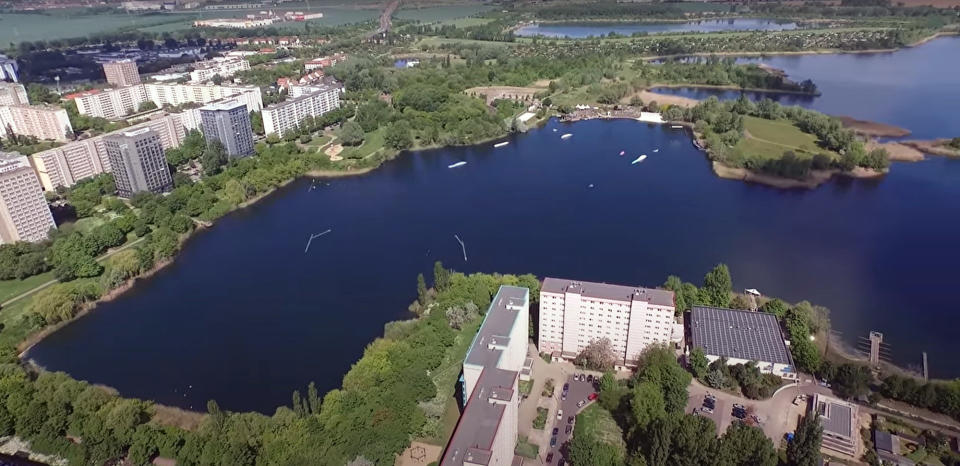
244, 316
914, 88
575, 30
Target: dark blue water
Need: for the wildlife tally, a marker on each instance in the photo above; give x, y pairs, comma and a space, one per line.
245, 317
916, 88
580, 30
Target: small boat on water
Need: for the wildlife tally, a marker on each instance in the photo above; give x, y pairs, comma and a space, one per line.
656, 150
623, 152
677, 127
455, 165
566, 136
501, 144
639, 159
554, 130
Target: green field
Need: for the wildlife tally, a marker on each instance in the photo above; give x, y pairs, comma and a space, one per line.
12, 288
598, 423
440, 13
770, 139
17, 27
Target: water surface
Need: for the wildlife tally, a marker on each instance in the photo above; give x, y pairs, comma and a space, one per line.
576, 30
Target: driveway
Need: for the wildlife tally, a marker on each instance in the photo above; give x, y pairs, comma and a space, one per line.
578, 391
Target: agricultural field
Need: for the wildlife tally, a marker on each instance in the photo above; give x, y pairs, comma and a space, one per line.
18, 27
770, 139
450, 14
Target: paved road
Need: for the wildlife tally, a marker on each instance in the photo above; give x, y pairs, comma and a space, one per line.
579, 391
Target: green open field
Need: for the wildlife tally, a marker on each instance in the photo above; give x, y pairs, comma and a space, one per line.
599, 424
701, 35
17, 27
770, 139
440, 13
437, 41
12, 288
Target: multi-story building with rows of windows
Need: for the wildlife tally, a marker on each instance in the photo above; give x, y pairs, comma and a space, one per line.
24, 213
574, 313
287, 115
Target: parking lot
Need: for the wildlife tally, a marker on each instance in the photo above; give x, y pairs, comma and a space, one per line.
578, 391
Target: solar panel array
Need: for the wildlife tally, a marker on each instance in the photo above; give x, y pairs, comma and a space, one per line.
754, 336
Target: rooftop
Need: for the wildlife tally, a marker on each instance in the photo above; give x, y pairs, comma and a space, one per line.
835, 415
754, 336
227, 104
10, 161
607, 291
473, 438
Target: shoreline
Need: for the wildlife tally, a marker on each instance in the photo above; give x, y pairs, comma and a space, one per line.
731, 87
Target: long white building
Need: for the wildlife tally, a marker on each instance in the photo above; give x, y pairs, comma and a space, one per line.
24, 213
486, 433
67, 164
225, 67
574, 313
13, 94
285, 116
39, 121
117, 103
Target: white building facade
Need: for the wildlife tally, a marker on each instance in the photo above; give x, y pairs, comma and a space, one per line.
24, 213
39, 121
13, 94
286, 116
224, 67
117, 103
574, 313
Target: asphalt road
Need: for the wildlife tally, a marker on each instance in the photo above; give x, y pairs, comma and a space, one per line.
579, 391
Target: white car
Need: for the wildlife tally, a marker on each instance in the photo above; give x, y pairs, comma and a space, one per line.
559, 414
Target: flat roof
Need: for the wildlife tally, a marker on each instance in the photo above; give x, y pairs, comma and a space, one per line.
473, 438
653, 296
754, 336
836, 415
226, 104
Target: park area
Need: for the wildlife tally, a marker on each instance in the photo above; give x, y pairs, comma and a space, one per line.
769, 139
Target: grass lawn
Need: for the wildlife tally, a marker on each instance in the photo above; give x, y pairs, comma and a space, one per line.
372, 143
526, 386
541, 421
15, 329
446, 14
527, 449
87, 224
466, 22
438, 41
769, 139
11, 288
599, 424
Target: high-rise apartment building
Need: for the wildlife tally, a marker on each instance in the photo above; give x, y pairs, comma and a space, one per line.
24, 213
573, 314
117, 103
122, 73
138, 162
74, 161
224, 67
228, 122
486, 433
287, 115
13, 94
9, 69
39, 121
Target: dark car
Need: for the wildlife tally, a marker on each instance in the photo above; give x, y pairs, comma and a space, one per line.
570, 420
589, 378
550, 457
553, 441
566, 387
568, 429
560, 462
556, 430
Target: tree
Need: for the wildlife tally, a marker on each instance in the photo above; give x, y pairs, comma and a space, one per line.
646, 404
441, 276
776, 307
214, 158
146, 105
658, 364
742, 445
256, 122
717, 286
458, 316
805, 354
585, 450
804, 449
597, 355
351, 134
217, 79
698, 362
421, 290
398, 136
851, 380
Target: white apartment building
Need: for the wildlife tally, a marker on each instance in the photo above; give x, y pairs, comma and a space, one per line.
486, 433
13, 94
24, 213
9, 69
225, 67
285, 116
121, 73
39, 121
67, 164
575, 313
117, 103
109, 103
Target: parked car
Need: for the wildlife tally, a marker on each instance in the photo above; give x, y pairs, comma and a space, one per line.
559, 414
556, 430
581, 403
550, 457
593, 396
570, 420
590, 378
553, 441
566, 387
560, 462
706, 409
568, 429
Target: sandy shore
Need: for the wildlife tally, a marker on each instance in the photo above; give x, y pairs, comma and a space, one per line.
816, 177
647, 97
935, 147
898, 152
873, 128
